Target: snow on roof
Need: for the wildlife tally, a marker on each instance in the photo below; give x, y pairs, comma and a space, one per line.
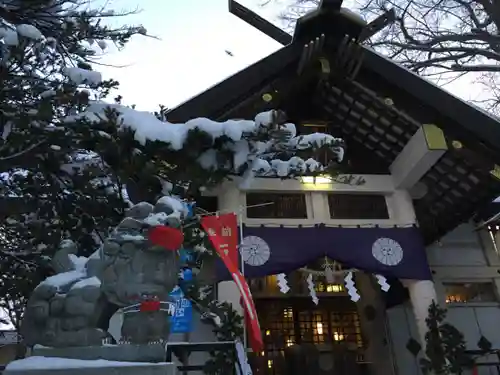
54, 363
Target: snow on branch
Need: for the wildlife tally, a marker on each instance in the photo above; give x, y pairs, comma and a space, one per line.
263, 147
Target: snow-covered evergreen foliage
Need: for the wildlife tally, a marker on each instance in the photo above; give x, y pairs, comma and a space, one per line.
47, 191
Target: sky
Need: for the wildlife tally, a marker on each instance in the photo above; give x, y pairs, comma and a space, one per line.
189, 55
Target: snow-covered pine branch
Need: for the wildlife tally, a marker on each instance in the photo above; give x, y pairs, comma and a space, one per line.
263, 147
45, 50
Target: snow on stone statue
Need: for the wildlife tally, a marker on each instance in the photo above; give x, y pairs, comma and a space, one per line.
128, 272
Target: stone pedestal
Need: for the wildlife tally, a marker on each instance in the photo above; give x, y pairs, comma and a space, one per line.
95, 360
127, 353
64, 366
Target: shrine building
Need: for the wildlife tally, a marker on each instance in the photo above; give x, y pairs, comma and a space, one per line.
407, 223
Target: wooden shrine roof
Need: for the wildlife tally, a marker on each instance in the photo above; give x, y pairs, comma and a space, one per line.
324, 73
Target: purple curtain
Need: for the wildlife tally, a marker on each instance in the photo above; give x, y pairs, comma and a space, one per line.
392, 252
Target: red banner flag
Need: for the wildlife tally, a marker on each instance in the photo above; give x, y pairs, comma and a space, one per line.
221, 235
226, 227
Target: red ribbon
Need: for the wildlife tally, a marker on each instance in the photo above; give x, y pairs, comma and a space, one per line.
166, 237
150, 306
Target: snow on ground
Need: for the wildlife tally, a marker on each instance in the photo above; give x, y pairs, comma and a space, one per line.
53, 363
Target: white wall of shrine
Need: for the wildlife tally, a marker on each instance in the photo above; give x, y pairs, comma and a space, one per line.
464, 256
399, 204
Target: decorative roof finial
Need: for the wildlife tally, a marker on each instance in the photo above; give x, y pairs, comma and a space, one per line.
330, 4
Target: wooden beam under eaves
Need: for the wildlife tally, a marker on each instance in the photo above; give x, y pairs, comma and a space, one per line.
284, 38
419, 155
378, 24
259, 23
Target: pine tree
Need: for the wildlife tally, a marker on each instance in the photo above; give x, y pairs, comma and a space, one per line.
50, 188
445, 351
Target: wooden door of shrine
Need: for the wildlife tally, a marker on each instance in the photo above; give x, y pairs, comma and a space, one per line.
296, 320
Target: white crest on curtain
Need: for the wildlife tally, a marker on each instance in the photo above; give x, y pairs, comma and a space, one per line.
254, 251
387, 251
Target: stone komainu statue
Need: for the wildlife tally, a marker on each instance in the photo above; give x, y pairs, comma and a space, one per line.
73, 307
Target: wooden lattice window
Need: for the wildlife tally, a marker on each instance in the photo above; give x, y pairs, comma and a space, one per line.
357, 206
283, 206
320, 326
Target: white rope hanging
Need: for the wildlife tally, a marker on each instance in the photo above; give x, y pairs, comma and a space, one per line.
283, 283
351, 288
331, 270
329, 276
382, 281
312, 290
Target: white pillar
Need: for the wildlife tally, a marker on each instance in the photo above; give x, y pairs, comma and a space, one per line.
227, 291
422, 293
229, 199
